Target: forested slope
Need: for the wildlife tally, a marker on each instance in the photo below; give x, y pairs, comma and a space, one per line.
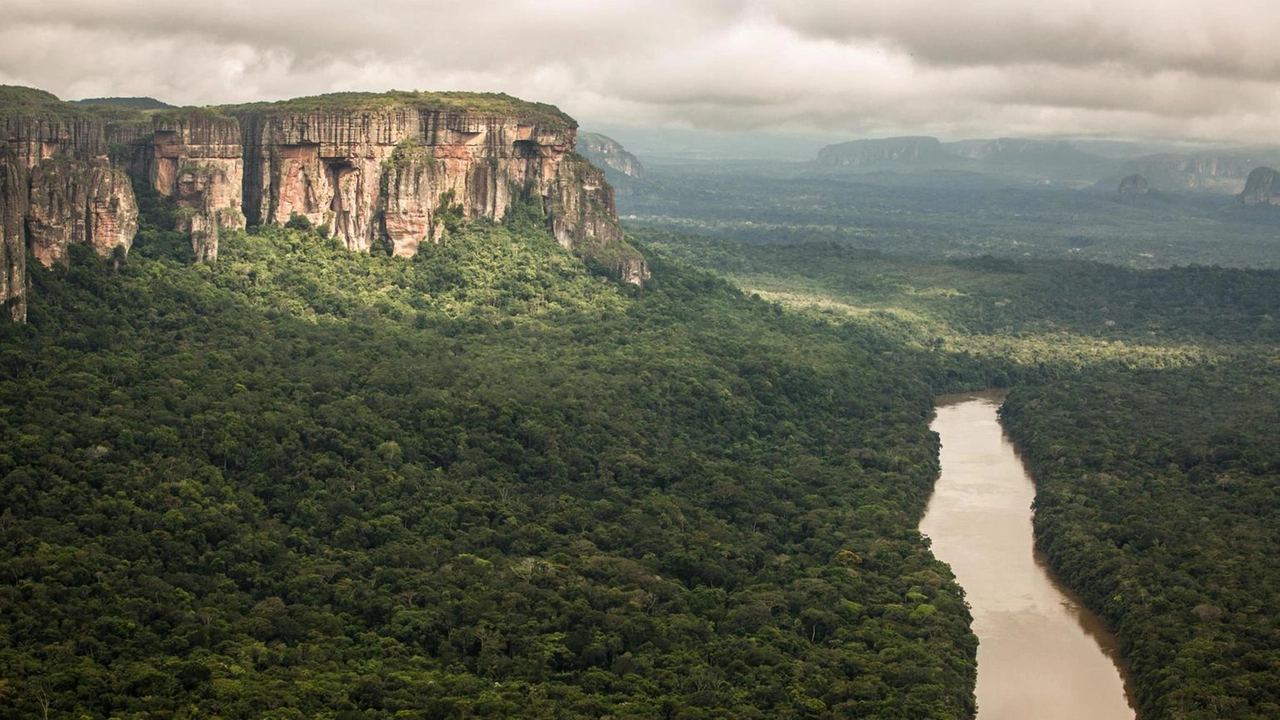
484, 482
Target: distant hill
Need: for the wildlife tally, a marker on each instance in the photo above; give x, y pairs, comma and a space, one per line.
1036, 160
137, 103
1219, 171
622, 169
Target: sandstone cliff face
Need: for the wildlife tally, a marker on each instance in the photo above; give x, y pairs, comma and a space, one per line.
58, 186
621, 169
196, 157
387, 169
13, 236
79, 202
1261, 188
372, 169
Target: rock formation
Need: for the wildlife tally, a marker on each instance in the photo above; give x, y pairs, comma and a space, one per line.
1133, 185
1261, 188
622, 170
376, 168
369, 169
59, 186
13, 235
873, 153
196, 157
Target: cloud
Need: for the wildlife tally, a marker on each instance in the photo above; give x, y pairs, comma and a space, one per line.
1229, 38
1190, 69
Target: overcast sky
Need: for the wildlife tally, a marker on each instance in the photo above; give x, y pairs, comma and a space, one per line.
1158, 69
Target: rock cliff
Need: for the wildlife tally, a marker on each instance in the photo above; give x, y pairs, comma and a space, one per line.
196, 157
13, 235
622, 169
1261, 188
387, 168
372, 170
1133, 185
59, 185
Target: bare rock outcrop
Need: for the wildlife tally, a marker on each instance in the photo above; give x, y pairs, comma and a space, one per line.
59, 185
1133, 186
13, 235
368, 169
1261, 187
196, 157
622, 169
74, 201
387, 168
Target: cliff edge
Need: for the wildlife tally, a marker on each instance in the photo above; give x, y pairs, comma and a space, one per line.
1262, 187
374, 170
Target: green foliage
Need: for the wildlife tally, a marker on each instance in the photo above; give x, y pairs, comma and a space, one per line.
526, 214
1146, 410
493, 104
950, 214
1042, 316
304, 482
449, 213
1157, 502
157, 217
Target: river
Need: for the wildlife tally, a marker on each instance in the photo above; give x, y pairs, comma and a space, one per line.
1041, 655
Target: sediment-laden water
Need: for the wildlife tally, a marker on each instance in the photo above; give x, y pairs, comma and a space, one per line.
1042, 656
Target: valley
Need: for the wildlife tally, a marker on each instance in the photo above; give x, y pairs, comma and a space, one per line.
553, 464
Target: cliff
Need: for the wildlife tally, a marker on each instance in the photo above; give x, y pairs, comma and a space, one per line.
622, 169
1133, 185
370, 169
59, 186
1261, 188
387, 168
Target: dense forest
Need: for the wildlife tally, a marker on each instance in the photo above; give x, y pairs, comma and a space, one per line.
1145, 403
1157, 501
485, 482
492, 481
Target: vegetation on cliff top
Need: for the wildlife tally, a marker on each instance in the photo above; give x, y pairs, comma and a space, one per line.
18, 101
487, 104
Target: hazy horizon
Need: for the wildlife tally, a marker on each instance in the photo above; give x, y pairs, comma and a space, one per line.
1177, 70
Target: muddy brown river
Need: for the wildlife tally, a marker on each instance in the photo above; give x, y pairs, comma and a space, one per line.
1041, 655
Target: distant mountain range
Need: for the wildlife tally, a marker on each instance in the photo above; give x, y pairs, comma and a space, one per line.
1214, 170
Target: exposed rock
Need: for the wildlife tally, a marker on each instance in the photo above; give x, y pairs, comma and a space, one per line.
1133, 185
1219, 165
78, 202
1261, 188
13, 235
369, 168
59, 175
373, 168
621, 169
197, 158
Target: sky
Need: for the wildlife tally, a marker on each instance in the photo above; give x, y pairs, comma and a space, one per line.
1200, 70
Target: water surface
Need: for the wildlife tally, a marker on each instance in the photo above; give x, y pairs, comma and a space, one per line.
1041, 655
